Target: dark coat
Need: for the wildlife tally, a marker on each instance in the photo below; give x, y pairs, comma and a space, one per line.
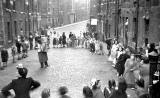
64, 39
4, 55
18, 45
120, 63
70, 35
22, 87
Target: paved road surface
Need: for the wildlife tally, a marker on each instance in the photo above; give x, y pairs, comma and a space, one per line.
73, 68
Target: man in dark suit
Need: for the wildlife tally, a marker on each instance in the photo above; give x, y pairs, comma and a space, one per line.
23, 85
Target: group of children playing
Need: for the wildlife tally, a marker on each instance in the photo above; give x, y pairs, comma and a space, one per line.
19, 48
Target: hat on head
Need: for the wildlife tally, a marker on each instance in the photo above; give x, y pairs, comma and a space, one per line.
19, 66
93, 81
22, 70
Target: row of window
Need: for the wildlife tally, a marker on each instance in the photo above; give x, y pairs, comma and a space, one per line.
12, 4
152, 2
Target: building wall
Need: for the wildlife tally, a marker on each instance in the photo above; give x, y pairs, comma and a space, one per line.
43, 10
16, 16
153, 34
2, 38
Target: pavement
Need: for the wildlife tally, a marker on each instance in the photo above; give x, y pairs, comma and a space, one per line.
69, 67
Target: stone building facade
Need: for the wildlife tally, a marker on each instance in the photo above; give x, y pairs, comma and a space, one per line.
18, 18
148, 22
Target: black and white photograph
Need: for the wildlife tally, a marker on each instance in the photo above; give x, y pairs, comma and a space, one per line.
79, 48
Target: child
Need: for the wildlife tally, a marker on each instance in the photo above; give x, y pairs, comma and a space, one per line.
18, 46
63, 91
13, 49
111, 88
25, 46
97, 47
101, 48
45, 93
60, 42
87, 92
4, 57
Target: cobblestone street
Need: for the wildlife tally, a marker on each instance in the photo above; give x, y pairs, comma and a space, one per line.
73, 68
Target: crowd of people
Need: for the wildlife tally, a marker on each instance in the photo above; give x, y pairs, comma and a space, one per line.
23, 44
23, 85
137, 71
19, 48
83, 40
72, 40
141, 65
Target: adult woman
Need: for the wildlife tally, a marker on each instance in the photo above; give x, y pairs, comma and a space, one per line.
130, 66
23, 85
42, 54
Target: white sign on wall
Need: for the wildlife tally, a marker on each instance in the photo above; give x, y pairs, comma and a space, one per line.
93, 21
